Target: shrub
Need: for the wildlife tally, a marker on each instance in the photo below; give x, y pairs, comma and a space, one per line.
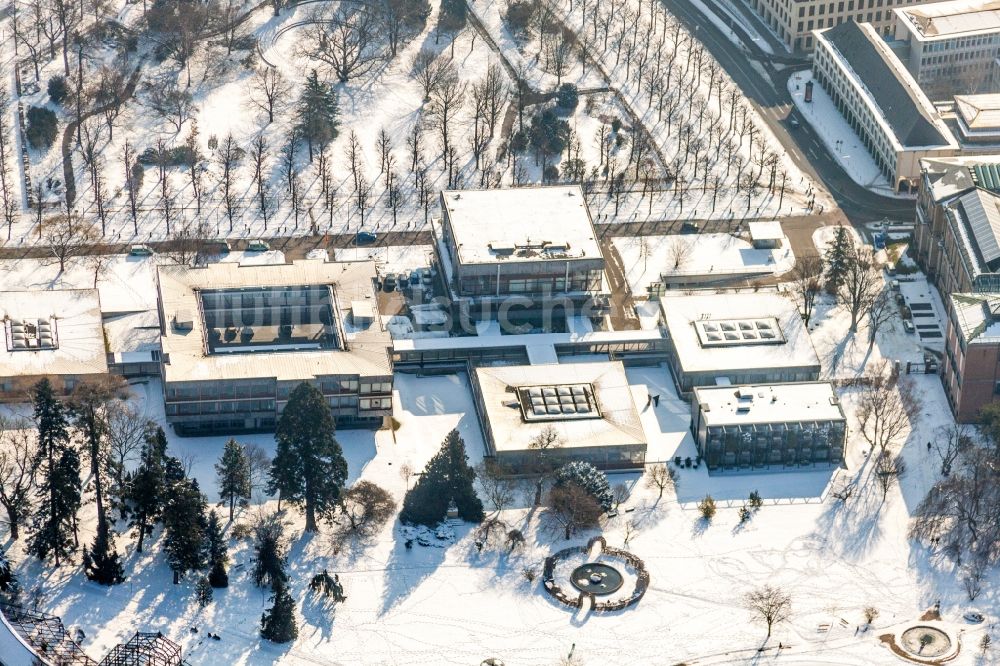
57, 89
567, 97
755, 501
591, 479
550, 174
519, 14
42, 126
707, 507
744, 514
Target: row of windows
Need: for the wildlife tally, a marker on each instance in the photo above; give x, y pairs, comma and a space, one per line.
223, 390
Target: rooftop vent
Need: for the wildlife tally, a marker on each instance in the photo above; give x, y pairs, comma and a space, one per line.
183, 320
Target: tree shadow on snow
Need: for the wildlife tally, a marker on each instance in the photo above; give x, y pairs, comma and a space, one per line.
852, 527
407, 568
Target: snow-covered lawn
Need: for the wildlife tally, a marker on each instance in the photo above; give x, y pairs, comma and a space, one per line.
840, 140
646, 258
454, 605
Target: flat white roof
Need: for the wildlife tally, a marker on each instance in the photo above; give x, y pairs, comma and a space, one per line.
77, 320
186, 359
945, 20
521, 224
682, 313
776, 403
615, 420
766, 230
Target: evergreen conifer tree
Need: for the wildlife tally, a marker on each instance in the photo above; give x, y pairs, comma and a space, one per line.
588, 477
837, 256
278, 624
204, 592
148, 486
318, 113
269, 553
9, 586
446, 477
233, 473
54, 530
309, 469
185, 526
101, 562
218, 552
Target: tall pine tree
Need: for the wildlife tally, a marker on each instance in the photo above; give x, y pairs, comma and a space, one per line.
446, 477
218, 552
278, 624
101, 562
9, 587
308, 469
147, 487
317, 116
837, 256
185, 525
233, 476
54, 530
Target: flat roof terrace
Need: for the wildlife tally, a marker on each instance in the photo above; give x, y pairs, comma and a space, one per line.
520, 225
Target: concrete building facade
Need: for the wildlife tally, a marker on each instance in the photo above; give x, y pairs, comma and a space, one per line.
795, 20
523, 251
951, 47
236, 340
881, 102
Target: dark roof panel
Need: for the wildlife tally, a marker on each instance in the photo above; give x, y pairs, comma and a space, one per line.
898, 107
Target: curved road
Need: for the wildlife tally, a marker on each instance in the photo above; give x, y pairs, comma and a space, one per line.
766, 89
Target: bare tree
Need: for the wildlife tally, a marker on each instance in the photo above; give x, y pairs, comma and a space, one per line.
889, 469
127, 427
661, 477
170, 103
886, 406
768, 604
187, 241
881, 312
228, 158
9, 199
112, 91
366, 506
960, 509
679, 251
950, 442
446, 102
348, 41
66, 239
353, 154
497, 488
572, 508
260, 466
269, 90
428, 70
132, 184
259, 158
807, 282
861, 284
17, 471
544, 459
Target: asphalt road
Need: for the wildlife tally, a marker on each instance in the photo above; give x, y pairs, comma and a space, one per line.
766, 89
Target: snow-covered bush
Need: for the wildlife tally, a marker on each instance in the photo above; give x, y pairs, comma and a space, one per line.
588, 477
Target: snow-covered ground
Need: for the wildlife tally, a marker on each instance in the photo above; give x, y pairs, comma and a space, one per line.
840, 140
646, 258
454, 605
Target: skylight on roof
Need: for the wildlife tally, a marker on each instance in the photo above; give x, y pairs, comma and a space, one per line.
31, 334
733, 332
558, 402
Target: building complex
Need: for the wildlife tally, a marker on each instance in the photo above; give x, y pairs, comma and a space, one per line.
237, 339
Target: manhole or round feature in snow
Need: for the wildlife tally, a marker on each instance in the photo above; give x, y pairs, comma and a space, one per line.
924, 641
597, 578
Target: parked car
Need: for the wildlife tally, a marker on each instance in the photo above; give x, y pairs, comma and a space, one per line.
219, 246
140, 251
879, 241
414, 277
689, 228
258, 246
426, 277
975, 617
793, 122
389, 283
908, 326
403, 280
365, 238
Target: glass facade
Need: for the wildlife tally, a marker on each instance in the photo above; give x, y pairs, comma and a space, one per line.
772, 445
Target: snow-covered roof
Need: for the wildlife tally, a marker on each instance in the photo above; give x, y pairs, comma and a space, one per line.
766, 230
521, 224
947, 20
365, 351
682, 314
590, 404
132, 332
52, 333
977, 316
979, 112
980, 212
777, 403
